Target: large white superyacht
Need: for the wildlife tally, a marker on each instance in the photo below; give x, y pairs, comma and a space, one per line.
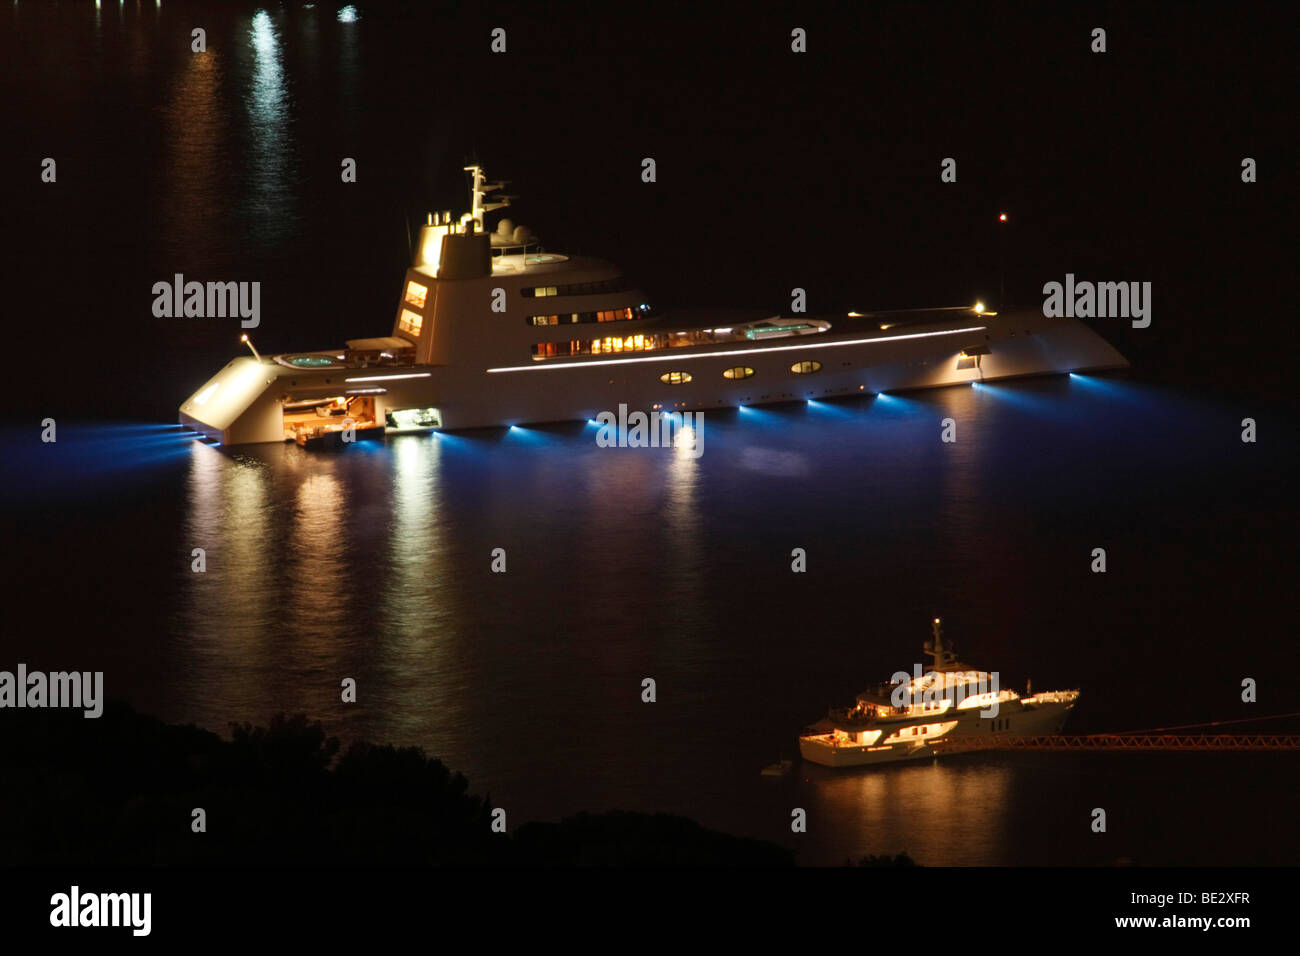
902, 719
490, 330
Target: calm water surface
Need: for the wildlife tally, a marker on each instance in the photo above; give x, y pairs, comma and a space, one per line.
622, 564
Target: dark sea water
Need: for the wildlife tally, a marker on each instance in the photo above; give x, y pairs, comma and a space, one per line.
624, 564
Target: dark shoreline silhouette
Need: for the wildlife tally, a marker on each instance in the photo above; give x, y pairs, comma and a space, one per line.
121, 790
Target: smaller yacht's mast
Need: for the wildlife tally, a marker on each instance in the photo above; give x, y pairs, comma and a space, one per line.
936, 647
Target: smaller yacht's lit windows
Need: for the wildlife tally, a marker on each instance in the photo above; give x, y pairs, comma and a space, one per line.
805, 368
410, 322
740, 371
415, 294
675, 378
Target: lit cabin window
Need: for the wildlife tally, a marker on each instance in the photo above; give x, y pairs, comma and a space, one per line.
410, 322
576, 288
605, 315
642, 342
415, 294
614, 343
740, 371
675, 378
805, 368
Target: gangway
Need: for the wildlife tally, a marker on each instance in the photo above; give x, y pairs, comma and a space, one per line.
1111, 742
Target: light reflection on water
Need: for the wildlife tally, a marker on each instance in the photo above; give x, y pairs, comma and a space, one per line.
374, 563
193, 188
269, 167
224, 640
954, 814
417, 634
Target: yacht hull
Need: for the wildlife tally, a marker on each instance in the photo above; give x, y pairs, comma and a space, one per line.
1030, 721
244, 402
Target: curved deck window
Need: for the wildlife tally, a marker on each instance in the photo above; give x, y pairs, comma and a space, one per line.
575, 288
805, 368
605, 315
675, 378
740, 371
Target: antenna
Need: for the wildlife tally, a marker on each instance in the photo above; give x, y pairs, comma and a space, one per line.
935, 647
249, 342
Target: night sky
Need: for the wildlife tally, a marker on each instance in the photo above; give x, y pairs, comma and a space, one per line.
819, 170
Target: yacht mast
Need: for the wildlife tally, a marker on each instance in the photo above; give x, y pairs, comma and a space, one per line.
479, 188
936, 648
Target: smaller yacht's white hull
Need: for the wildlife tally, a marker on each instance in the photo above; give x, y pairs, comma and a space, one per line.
1034, 719
828, 755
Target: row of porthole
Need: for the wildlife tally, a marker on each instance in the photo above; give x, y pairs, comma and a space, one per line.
739, 371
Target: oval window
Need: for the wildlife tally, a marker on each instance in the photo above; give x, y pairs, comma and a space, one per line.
675, 378
740, 371
310, 361
804, 368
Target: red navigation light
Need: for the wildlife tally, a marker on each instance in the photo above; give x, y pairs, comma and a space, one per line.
1003, 217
